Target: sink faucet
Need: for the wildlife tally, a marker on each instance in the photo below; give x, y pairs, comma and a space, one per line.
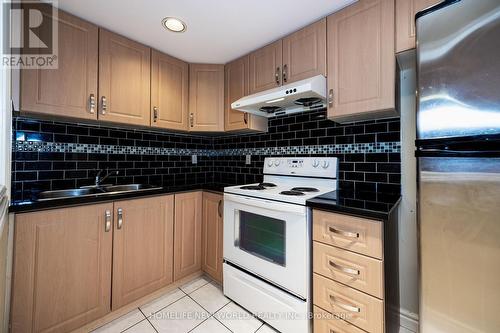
99, 179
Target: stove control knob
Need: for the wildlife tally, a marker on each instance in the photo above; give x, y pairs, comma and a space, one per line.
315, 163
269, 163
325, 164
277, 162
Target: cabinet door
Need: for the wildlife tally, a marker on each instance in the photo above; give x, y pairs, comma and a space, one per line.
304, 53
62, 268
236, 86
142, 247
265, 67
124, 80
67, 90
361, 61
187, 234
212, 235
206, 97
405, 21
169, 92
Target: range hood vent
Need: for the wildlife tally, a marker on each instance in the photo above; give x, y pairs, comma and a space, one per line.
304, 95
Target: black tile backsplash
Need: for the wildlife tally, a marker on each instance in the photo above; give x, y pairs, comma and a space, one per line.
65, 159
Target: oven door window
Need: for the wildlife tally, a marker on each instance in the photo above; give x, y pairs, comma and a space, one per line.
263, 237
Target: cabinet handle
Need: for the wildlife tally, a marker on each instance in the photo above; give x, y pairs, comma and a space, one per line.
285, 68
120, 218
344, 233
219, 208
92, 103
155, 114
277, 76
191, 119
245, 118
330, 98
344, 306
347, 270
104, 105
107, 219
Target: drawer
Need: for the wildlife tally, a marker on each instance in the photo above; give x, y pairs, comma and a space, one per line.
348, 232
324, 322
355, 270
362, 310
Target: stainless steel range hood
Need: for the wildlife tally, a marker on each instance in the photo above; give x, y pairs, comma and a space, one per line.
304, 95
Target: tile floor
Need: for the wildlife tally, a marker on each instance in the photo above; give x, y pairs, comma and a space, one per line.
198, 306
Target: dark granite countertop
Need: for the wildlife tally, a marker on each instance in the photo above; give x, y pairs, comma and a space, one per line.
372, 205
30, 206
365, 204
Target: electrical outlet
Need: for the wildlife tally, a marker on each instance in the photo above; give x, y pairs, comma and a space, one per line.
194, 159
248, 159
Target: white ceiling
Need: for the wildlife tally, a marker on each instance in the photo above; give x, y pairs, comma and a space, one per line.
217, 31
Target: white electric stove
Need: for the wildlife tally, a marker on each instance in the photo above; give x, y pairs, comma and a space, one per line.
267, 240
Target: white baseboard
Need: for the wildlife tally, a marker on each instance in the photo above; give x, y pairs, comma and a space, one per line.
408, 320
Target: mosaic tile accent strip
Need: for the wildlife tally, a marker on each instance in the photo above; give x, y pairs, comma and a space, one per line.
354, 148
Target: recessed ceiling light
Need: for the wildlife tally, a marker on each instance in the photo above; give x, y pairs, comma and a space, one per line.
174, 24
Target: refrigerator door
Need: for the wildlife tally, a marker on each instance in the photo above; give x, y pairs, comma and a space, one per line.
458, 64
459, 227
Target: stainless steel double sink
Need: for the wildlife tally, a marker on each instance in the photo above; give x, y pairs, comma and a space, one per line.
94, 190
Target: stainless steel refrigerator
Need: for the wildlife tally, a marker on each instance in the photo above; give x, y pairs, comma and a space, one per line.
458, 150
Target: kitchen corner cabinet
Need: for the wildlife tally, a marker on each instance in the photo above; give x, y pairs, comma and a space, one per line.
169, 92
265, 67
304, 53
124, 80
62, 268
405, 21
212, 230
361, 61
206, 98
69, 90
187, 234
142, 247
236, 85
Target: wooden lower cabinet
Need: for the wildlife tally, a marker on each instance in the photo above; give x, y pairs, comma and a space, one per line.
142, 247
349, 276
62, 268
187, 234
212, 231
75, 265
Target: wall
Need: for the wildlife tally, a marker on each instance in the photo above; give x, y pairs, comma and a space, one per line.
408, 250
55, 155
51, 155
368, 152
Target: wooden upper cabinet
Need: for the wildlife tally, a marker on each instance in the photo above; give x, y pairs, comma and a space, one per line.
212, 230
361, 61
124, 80
62, 268
206, 98
304, 53
405, 21
67, 90
187, 234
142, 247
236, 87
169, 92
265, 67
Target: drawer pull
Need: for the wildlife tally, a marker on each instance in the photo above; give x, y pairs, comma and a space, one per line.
344, 306
347, 270
344, 233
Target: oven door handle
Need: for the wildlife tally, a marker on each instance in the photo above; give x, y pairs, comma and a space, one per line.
266, 204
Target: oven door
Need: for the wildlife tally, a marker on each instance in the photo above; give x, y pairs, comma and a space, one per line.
269, 239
